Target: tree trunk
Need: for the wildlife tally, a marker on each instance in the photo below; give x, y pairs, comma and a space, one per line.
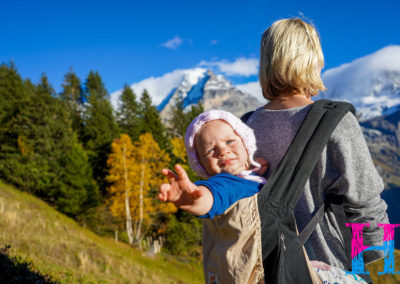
139, 233
127, 194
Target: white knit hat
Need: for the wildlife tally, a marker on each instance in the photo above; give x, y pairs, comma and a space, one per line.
241, 129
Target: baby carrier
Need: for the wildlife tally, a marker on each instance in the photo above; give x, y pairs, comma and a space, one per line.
283, 259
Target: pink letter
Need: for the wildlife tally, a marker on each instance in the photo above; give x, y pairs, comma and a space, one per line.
357, 247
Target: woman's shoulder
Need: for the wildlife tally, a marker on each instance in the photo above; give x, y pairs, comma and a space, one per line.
348, 142
347, 128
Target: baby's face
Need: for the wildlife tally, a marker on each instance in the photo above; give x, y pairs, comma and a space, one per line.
220, 150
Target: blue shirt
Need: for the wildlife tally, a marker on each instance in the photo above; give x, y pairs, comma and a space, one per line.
226, 190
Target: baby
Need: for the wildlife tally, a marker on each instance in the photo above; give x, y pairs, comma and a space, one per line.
220, 148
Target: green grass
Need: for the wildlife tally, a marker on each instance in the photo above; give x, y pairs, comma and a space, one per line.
55, 246
377, 266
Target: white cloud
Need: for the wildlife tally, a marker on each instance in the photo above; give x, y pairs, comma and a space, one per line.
214, 42
240, 67
159, 87
173, 43
252, 88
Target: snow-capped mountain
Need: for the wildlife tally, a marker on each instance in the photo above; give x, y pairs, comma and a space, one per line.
371, 83
194, 86
213, 91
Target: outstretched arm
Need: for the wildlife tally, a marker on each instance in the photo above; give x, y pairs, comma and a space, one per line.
196, 200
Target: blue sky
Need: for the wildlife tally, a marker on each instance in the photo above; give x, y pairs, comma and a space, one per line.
128, 41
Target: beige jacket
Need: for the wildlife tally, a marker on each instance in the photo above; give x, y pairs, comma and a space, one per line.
232, 246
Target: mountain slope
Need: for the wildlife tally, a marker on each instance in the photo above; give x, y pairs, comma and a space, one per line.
371, 83
58, 247
382, 134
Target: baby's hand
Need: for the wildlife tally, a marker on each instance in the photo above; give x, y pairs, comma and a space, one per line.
264, 165
180, 190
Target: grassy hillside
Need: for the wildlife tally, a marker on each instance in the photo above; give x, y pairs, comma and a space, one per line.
377, 266
35, 236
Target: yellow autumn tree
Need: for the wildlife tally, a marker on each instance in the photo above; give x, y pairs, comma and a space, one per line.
135, 177
179, 156
179, 152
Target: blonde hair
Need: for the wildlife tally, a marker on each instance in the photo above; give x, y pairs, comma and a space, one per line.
291, 59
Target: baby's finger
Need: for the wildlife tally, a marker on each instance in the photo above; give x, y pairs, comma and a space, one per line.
182, 175
161, 197
169, 174
164, 188
164, 172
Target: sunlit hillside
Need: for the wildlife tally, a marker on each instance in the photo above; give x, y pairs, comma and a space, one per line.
376, 267
53, 245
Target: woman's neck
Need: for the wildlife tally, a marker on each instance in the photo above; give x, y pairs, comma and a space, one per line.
286, 101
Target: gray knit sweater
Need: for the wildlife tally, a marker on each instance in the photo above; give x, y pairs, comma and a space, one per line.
345, 168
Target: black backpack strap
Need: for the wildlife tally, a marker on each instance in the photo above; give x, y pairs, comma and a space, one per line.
309, 228
333, 114
299, 162
335, 202
287, 183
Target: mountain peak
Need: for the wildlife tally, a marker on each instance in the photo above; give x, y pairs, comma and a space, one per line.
212, 91
371, 83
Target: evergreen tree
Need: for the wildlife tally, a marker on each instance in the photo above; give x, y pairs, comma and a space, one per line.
70, 187
128, 114
100, 127
180, 119
41, 154
177, 122
194, 111
14, 145
78, 191
151, 121
12, 99
21, 163
72, 95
